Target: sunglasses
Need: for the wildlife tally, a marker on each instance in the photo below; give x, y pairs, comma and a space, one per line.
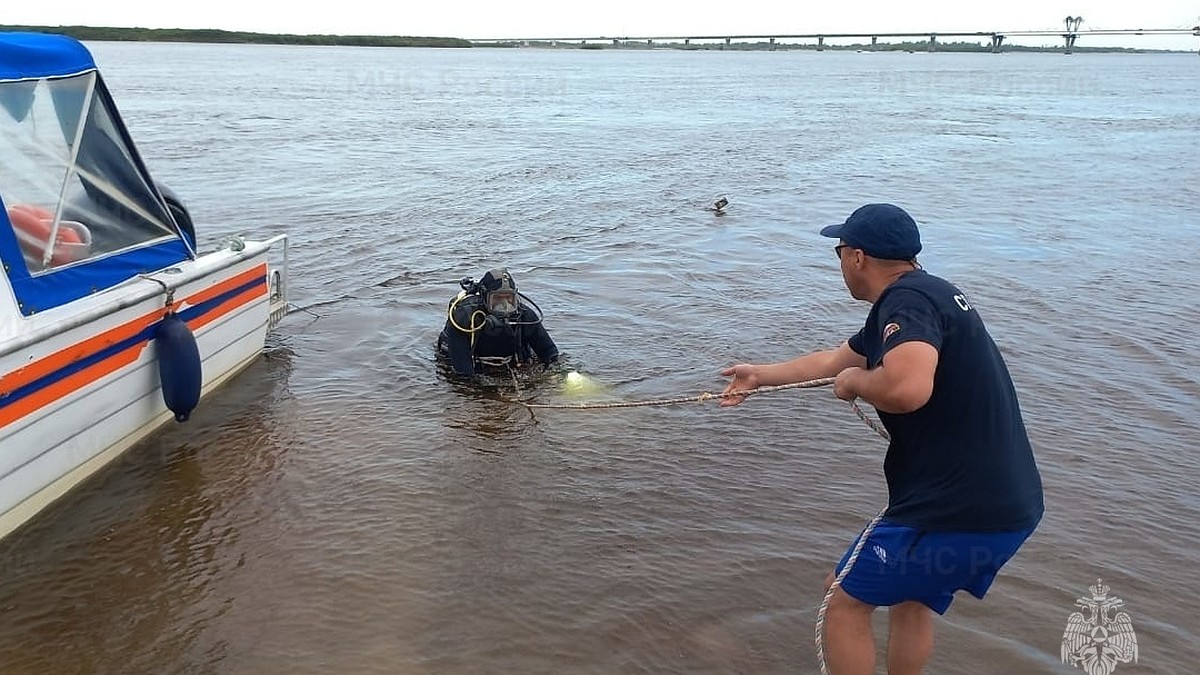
837, 250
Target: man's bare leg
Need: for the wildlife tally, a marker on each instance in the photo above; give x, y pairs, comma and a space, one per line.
848, 641
910, 638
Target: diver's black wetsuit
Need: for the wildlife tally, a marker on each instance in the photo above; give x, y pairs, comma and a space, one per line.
522, 337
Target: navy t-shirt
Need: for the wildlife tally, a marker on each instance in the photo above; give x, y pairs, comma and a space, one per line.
961, 462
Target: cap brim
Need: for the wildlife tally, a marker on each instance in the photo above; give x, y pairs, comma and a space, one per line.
833, 231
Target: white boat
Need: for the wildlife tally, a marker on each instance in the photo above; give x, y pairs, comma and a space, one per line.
112, 324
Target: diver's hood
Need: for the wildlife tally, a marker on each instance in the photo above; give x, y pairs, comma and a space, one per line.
499, 293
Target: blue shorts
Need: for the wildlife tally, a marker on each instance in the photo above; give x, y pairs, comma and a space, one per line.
900, 563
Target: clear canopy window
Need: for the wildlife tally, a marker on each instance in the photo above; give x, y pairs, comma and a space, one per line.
69, 177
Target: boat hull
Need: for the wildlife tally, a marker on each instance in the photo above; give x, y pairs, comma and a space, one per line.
85, 387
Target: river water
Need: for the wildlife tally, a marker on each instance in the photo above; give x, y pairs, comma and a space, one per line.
344, 507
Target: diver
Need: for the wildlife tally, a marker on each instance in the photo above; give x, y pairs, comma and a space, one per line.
490, 324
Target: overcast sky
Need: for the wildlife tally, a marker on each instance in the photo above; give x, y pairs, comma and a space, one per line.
546, 18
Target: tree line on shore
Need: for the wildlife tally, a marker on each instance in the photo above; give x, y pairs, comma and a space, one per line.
211, 35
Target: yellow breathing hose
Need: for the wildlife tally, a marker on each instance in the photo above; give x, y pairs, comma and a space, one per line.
474, 328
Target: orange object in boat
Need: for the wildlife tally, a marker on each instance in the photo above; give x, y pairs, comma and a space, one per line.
33, 224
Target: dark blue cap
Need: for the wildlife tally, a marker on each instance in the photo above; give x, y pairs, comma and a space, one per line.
881, 230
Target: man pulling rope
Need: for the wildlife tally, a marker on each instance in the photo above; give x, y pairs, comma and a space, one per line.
964, 492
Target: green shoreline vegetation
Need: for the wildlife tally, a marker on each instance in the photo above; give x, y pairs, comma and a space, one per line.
210, 35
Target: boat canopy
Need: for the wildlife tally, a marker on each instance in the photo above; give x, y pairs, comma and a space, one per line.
81, 213
33, 55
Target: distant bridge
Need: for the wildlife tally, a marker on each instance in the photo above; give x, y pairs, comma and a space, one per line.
995, 37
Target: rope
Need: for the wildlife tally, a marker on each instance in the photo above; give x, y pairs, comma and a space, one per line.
513, 373
858, 546
862, 539
166, 289
870, 422
683, 399
837, 582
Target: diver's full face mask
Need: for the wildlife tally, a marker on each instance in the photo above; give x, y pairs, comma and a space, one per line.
503, 303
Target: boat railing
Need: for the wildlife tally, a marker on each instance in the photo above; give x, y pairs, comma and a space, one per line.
277, 279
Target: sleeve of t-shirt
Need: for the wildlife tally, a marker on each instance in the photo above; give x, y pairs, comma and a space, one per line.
856, 342
906, 315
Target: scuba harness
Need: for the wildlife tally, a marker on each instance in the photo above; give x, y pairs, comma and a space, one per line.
479, 317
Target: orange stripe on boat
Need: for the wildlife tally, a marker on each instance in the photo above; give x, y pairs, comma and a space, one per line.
259, 272
65, 386
82, 350
76, 352
228, 306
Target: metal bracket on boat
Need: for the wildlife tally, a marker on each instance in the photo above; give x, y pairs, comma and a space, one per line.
166, 289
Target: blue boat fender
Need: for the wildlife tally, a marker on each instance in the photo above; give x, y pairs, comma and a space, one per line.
178, 366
